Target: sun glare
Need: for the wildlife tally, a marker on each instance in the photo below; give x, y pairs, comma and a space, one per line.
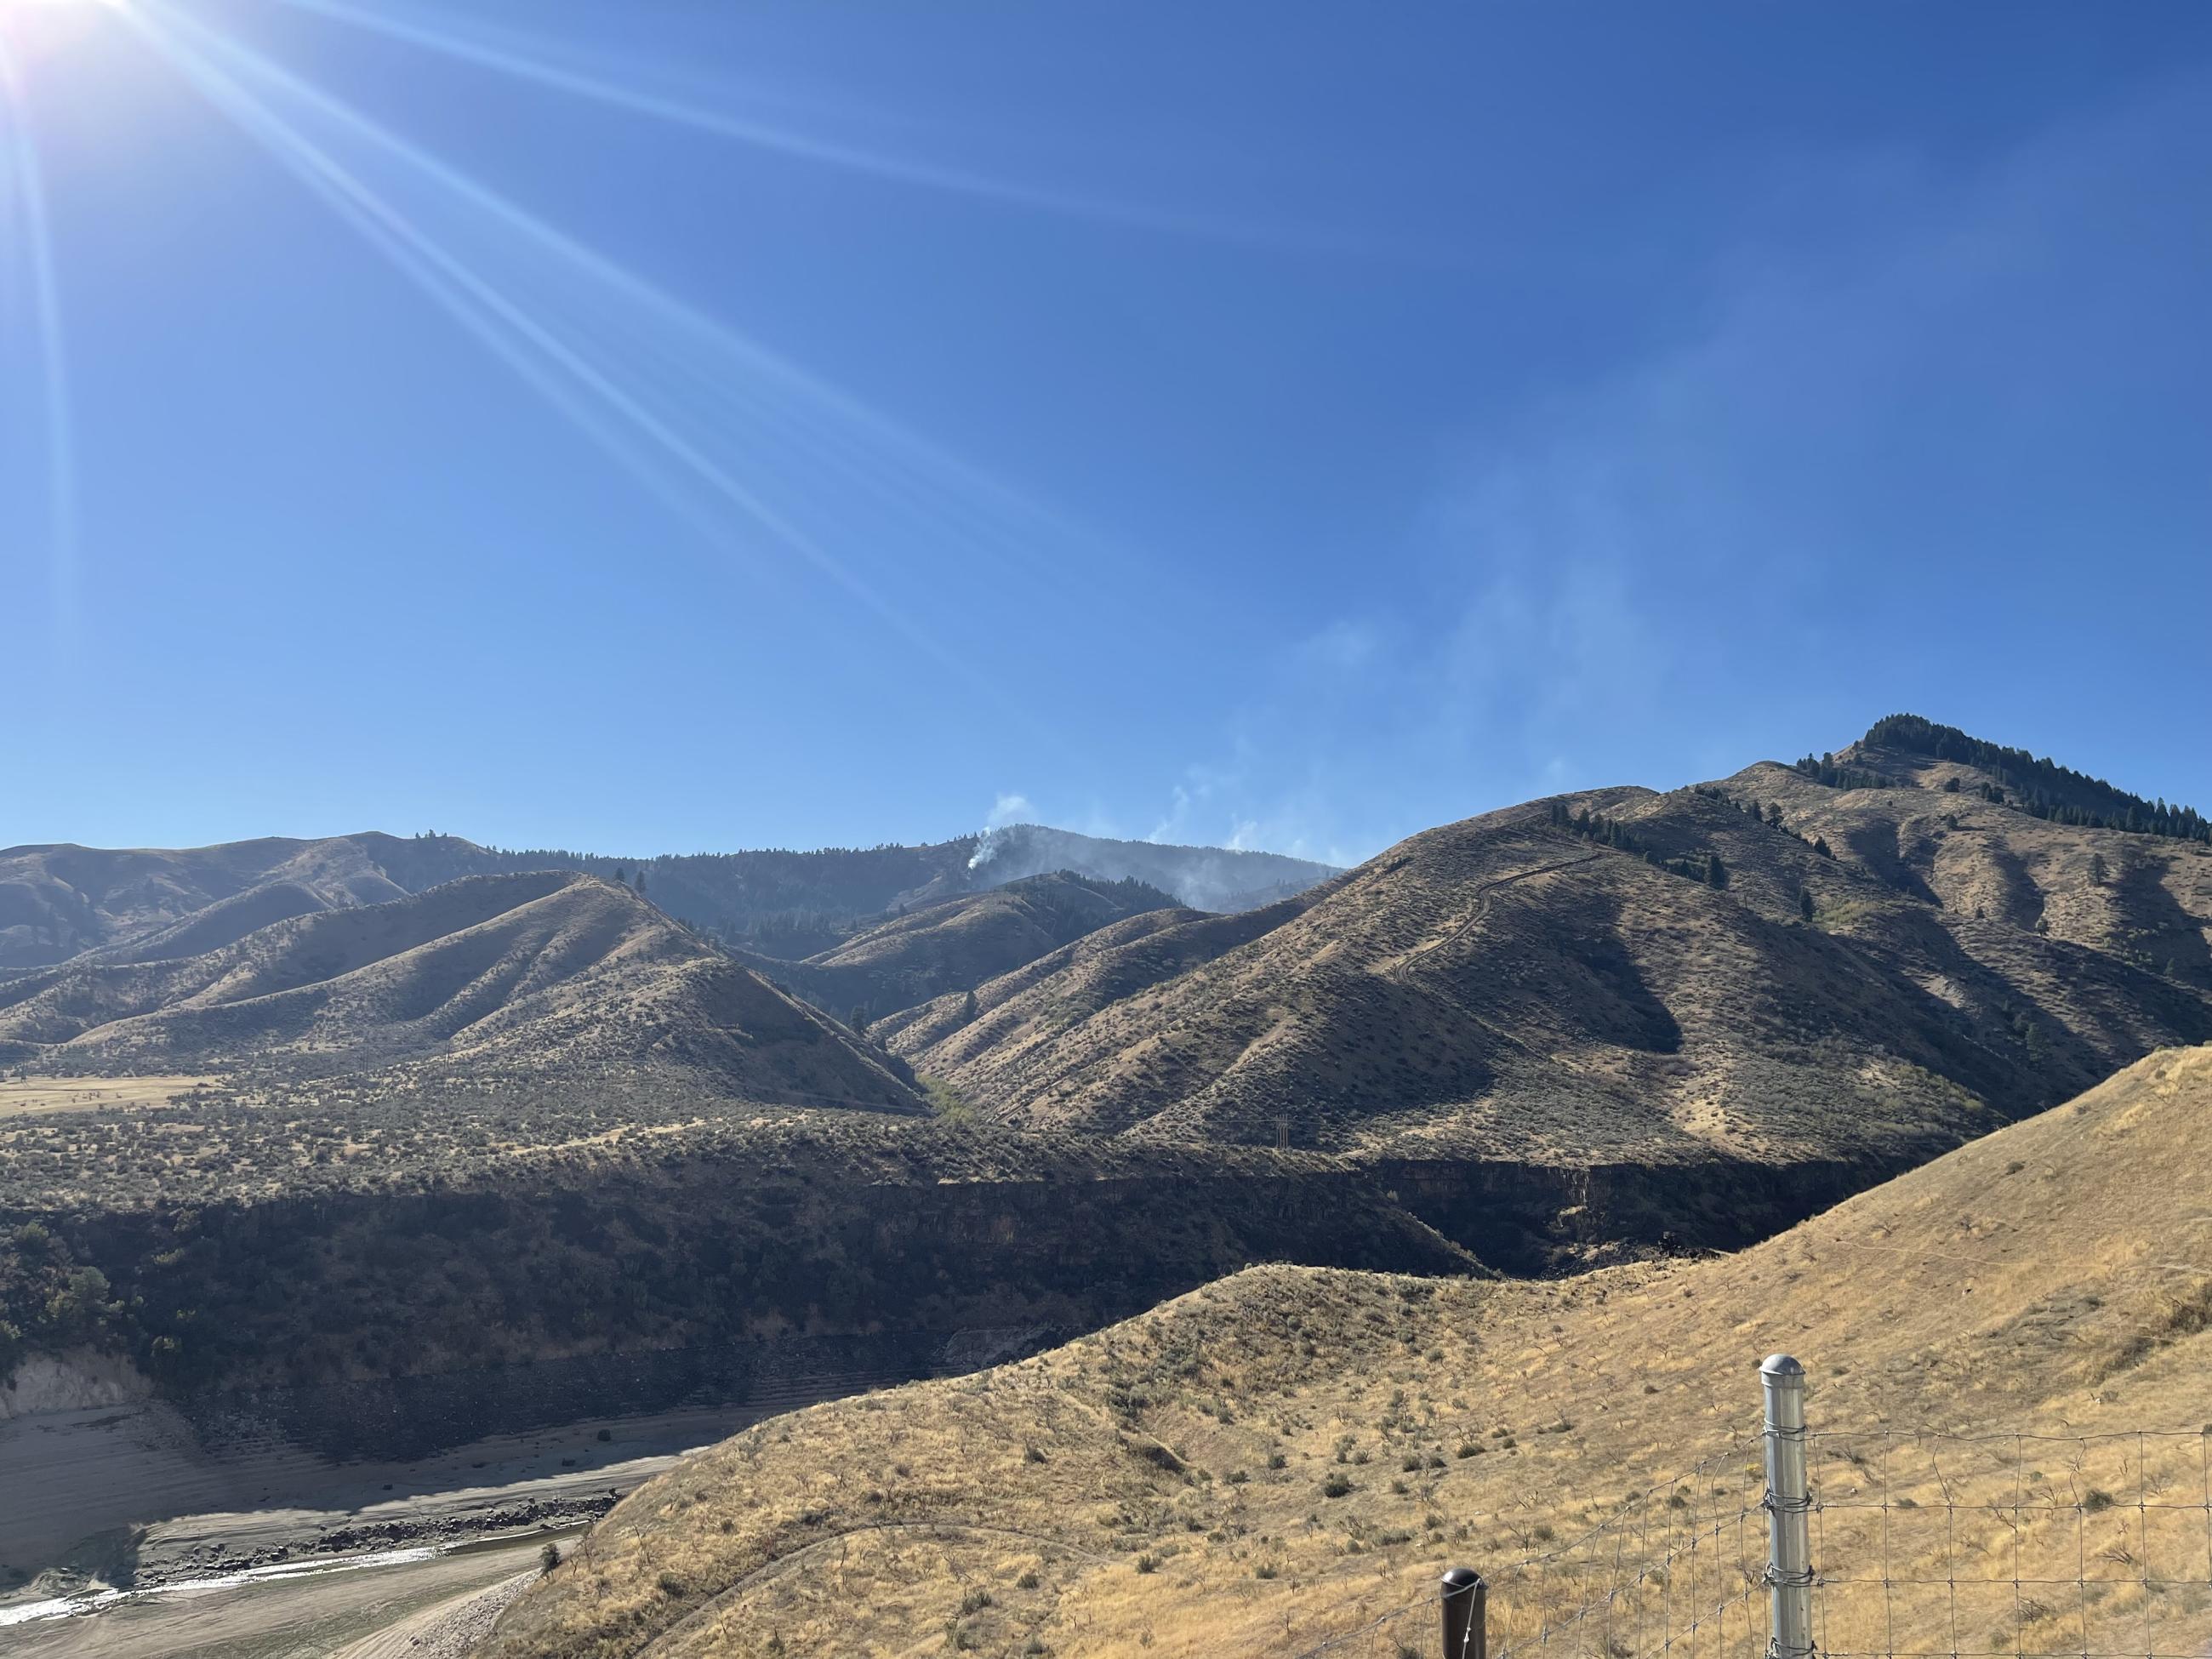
38, 26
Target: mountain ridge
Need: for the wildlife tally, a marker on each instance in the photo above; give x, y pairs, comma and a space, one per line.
59, 900
1617, 972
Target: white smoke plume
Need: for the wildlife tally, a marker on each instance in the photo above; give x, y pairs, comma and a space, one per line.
1006, 809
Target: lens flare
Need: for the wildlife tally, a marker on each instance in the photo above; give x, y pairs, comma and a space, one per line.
25, 186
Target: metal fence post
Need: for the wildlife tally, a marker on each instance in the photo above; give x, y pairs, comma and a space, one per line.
1466, 1613
1789, 1550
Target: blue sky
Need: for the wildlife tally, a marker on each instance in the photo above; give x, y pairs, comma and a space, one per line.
682, 426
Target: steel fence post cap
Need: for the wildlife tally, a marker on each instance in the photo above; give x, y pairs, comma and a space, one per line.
1458, 1580
1780, 1364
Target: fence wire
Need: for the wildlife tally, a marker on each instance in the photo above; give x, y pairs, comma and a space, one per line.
1673, 1569
1925, 1545
2033, 1545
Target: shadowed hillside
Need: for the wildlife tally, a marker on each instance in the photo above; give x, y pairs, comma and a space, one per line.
1772, 969
1291, 1455
547, 974
957, 943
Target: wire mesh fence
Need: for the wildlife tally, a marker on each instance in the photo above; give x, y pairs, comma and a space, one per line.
1677, 1568
2024, 1545
1913, 1544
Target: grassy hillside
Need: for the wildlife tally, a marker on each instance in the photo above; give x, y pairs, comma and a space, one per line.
957, 943
541, 975
1770, 968
1291, 1455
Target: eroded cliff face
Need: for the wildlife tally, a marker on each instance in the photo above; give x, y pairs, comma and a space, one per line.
78, 1379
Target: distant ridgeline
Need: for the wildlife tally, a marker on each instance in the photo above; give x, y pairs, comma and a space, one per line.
2042, 788
775, 901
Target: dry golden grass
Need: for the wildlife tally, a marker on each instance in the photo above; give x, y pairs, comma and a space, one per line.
25, 1097
1291, 1455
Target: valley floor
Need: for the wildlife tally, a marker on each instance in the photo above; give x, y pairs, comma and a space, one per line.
273, 1550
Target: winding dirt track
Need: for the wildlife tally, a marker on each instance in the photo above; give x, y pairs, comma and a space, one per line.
1403, 972
1480, 907
707, 1608
447, 1630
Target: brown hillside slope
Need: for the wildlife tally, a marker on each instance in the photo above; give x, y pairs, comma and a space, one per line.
1507, 987
58, 901
1290, 1455
2153, 905
522, 975
1113, 962
959, 943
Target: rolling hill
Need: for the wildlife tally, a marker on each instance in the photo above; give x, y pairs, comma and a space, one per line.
1288, 1458
1768, 970
957, 943
60, 901
544, 974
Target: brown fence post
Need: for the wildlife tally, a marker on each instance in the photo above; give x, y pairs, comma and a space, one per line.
1467, 1610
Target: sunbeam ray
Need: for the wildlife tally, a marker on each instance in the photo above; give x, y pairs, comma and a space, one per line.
486, 303
537, 67
1010, 524
29, 190
942, 467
